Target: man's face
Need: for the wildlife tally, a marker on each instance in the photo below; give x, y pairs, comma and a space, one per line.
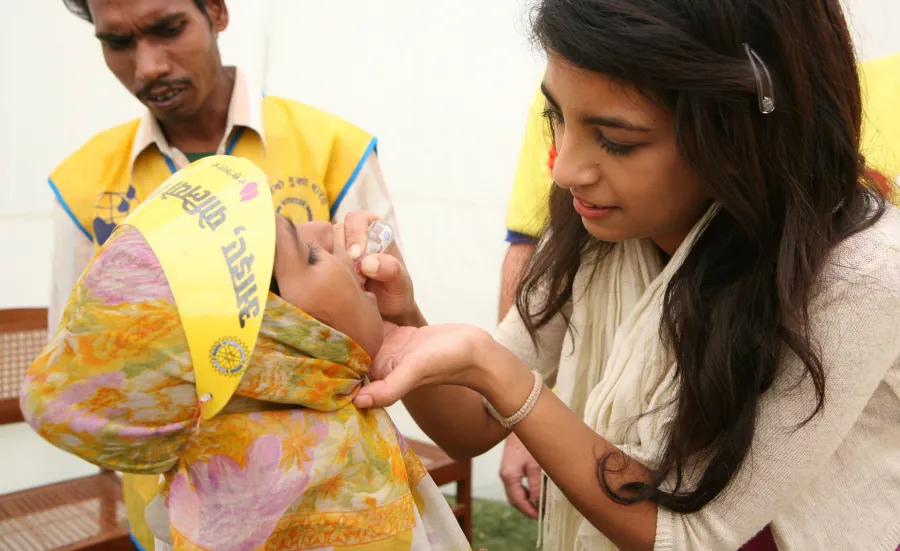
163, 51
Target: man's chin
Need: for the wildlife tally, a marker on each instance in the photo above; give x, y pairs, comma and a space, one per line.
176, 114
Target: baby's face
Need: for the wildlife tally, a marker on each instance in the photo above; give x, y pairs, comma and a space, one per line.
316, 275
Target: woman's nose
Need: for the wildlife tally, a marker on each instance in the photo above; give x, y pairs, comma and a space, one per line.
574, 166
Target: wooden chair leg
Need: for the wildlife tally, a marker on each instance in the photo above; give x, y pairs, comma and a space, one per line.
464, 498
107, 513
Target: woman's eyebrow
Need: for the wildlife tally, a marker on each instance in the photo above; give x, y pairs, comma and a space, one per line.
597, 120
614, 122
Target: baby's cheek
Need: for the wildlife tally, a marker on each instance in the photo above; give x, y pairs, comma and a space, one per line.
339, 304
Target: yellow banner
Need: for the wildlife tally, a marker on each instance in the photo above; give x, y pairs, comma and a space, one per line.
212, 227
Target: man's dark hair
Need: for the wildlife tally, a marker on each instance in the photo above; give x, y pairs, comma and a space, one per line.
80, 8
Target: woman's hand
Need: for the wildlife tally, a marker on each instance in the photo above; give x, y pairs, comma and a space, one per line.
415, 357
387, 274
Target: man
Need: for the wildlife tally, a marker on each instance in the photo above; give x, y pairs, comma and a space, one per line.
527, 216
525, 220
165, 52
880, 79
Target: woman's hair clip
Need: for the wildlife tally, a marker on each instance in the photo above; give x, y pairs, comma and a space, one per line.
765, 90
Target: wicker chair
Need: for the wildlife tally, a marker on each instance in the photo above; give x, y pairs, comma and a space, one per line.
82, 514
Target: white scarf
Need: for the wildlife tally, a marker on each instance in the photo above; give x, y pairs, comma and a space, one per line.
619, 370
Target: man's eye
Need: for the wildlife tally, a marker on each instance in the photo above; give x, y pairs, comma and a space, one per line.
172, 30
118, 43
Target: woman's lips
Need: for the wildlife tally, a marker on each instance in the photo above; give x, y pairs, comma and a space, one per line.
591, 211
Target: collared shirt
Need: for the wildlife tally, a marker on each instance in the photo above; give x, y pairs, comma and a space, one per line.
73, 250
245, 111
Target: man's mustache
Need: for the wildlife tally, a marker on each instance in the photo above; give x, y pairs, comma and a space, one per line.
144, 92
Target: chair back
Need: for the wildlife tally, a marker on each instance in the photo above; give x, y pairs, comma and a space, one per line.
23, 334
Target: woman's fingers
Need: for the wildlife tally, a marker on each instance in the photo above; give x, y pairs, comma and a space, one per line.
356, 227
340, 243
383, 268
391, 284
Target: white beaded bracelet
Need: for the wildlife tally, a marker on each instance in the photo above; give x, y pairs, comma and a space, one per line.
509, 422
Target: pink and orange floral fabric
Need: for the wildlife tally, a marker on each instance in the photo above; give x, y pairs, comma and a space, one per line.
290, 464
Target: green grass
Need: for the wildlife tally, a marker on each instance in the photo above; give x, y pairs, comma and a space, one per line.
497, 526
500, 527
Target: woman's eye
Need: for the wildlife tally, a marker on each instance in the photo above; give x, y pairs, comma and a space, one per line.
614, 148
552, 117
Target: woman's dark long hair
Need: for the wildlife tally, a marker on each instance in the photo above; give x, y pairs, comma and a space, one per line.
791, 185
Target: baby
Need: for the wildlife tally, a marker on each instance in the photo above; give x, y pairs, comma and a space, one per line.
289, 463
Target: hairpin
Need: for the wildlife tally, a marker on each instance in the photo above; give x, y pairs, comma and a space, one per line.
765, 90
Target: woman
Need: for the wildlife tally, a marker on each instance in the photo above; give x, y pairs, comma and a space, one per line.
288, 463
717, 297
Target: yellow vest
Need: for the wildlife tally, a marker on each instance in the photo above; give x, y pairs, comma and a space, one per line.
880, 80
526, 213
311, 158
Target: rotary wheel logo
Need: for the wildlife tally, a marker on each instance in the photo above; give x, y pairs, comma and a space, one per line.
229, 356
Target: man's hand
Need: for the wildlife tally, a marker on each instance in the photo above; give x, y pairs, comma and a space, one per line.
518, 464
517, 257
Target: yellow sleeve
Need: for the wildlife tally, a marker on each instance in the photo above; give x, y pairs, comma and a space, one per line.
880, 80
527, 212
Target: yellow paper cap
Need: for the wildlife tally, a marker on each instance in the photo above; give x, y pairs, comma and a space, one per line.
212, 227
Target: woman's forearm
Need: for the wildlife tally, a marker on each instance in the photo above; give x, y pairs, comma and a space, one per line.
565, 447
455, 418
568, 451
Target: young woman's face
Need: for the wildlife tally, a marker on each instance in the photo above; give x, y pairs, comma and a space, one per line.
315, 274
618, 157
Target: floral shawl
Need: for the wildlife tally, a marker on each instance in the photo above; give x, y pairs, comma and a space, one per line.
290, 464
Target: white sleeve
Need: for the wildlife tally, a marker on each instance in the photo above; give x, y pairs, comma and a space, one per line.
72, 251
543, 358
853, 322
369, 192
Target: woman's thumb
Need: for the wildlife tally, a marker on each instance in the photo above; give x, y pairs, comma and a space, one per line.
375, 395
385, 392
381, 267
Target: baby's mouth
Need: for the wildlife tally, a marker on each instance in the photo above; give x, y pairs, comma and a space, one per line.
357, 267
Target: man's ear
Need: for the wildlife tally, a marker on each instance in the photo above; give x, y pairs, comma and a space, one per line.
217, 12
